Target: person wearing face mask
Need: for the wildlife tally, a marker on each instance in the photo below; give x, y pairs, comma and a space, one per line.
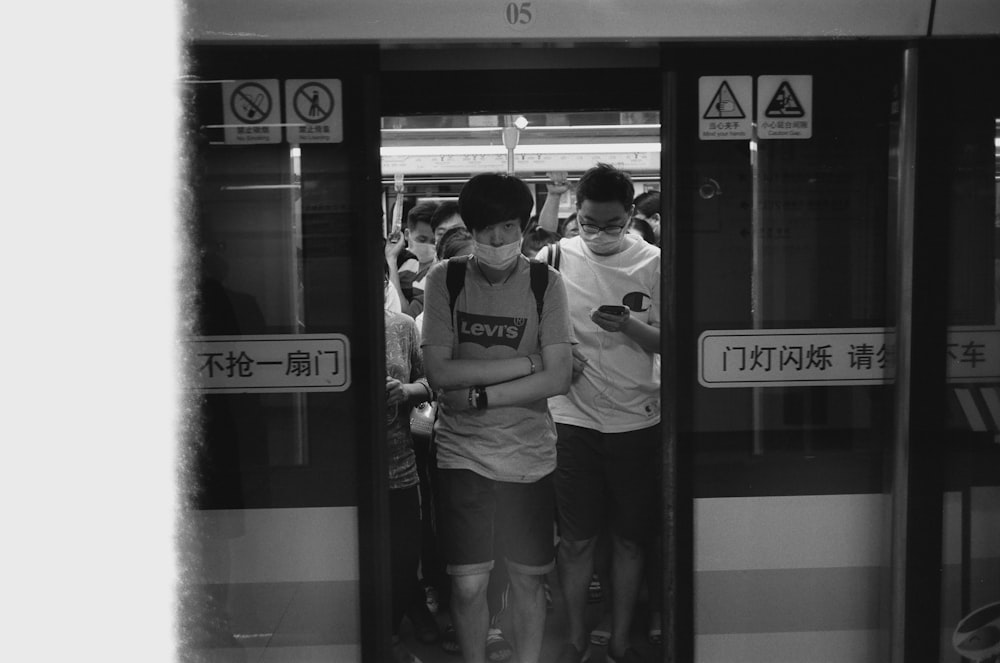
494, 355
413, 262
609, 423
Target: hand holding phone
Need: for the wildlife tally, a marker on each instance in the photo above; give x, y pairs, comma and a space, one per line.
612, 309
610, 317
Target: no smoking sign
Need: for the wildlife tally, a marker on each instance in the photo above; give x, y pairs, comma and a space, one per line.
252, 112
313, 111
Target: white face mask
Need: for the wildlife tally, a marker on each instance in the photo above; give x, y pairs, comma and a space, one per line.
497, 257
424, 252
603, 243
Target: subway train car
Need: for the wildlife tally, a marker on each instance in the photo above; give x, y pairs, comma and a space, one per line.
830, 234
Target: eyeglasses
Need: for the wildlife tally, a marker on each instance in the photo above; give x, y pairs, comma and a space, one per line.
593, 230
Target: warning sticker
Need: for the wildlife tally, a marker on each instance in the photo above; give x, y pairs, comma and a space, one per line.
252, 112
313, 109
270, 363
828, 357
784, 107
723, 105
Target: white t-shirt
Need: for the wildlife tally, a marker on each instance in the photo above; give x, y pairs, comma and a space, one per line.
619, 389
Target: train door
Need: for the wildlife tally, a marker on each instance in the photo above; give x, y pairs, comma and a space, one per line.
281, 497
956, 462
779, 202
784, 287
836, 303
530, 113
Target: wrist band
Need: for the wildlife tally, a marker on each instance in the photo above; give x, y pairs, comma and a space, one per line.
532, 362
430, 394
481, 400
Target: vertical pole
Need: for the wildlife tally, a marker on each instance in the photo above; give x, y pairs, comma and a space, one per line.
904, 245
675, 503
511, 135
757, 280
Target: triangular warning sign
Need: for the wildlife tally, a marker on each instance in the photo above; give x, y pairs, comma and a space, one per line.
724, 105
784, 103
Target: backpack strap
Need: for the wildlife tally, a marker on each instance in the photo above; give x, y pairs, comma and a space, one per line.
539, 281
552, 257
455, 278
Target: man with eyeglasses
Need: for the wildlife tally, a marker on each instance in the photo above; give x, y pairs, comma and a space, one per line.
609, 423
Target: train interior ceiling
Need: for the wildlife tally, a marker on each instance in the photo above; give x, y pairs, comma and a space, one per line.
431, 156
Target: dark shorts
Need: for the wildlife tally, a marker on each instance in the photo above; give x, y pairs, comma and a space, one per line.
607, 478
522, 513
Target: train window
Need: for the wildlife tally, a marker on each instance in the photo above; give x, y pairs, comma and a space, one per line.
790, 236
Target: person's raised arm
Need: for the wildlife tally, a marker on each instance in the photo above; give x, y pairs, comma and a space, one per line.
393, 247
548, 216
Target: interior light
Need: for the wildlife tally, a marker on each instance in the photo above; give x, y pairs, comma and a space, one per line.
520, 122
588, 148
554, 148
439, 150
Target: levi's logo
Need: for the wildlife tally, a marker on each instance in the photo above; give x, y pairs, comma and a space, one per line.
490, 330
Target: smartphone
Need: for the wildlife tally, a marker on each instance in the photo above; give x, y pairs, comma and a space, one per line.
612, 309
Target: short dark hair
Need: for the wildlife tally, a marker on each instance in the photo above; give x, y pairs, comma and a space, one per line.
451, 240
604, 183
490, 198
647, 203
644, 228
421, 213
445, 210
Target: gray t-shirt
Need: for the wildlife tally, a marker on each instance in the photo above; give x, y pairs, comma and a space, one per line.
513, 443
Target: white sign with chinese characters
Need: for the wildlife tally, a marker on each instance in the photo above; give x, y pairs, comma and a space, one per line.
724, 107
784, 107
271, 364
829, 357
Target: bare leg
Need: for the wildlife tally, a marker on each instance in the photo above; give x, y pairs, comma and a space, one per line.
470, 615
626, 572
576, 566
528, 615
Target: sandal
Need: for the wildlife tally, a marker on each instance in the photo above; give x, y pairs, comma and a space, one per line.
432, 599
600, 637
595, 594
497, 647
449, 640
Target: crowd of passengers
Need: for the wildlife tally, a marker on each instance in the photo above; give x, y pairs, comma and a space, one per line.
525, 352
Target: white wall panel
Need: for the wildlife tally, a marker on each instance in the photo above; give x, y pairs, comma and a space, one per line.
279, 545
789, 532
